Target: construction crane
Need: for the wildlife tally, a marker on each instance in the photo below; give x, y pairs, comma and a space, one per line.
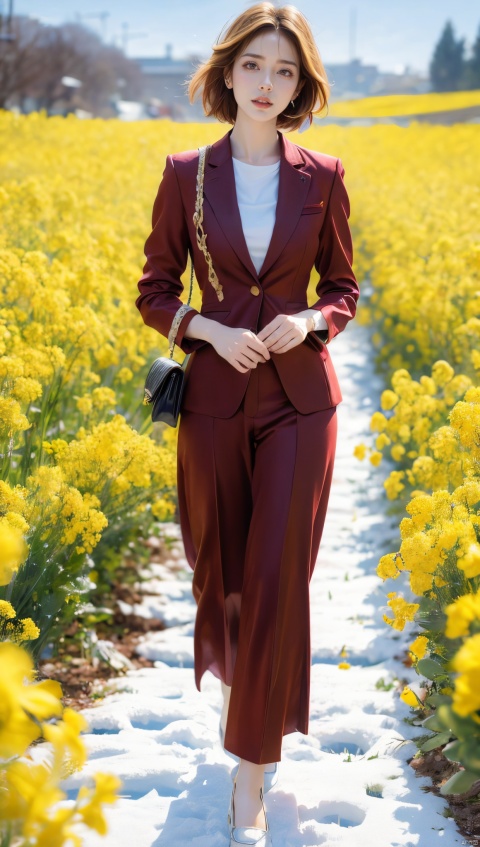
101, 16
127, 36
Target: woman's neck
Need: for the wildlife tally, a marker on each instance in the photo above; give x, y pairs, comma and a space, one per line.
255, 144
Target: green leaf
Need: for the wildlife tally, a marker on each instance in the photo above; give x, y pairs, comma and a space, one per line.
438, 739
454, 751
438, 699
471, 758
464, 728
459, 783
430, 669
433, 723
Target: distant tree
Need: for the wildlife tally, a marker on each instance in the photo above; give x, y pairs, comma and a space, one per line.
33, 64
472, 65
20, 60
447, 65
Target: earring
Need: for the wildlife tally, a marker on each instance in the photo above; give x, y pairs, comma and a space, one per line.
293, 104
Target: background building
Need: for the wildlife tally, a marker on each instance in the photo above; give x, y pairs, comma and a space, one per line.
164, 84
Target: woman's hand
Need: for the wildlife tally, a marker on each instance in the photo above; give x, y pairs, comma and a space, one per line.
240, 347
285, 332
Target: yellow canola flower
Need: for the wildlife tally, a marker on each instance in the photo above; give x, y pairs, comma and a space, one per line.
465, 421
106, 788
31, 791
6, 609
11, 418
466, 694
13, 551
382, 441
58, 831
360, 451
12, 498
389, 105
163, 509
410, 698
388, 399
64, 511
65, 735
470, 561
32, 799
85, 405
30, 630
418, 647
124, 375
402, 611
397, 452
387, 567
26, 390
378, 422
442, 372
461, 613
24, 629
20, 697
393, 484
468, 493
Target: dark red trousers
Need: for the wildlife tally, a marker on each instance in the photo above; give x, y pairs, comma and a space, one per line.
253, 491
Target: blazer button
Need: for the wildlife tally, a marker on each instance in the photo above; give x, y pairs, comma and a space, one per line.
255, 289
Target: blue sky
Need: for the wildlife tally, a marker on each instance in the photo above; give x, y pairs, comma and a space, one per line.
389, 34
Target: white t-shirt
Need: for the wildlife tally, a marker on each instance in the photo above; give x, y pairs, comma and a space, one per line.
257, 193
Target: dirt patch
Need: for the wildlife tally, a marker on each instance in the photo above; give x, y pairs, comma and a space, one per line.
464, 808
84, 681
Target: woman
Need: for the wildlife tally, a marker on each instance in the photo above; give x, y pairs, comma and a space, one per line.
257, 430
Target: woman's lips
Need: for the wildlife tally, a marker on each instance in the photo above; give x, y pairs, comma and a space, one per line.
261, 104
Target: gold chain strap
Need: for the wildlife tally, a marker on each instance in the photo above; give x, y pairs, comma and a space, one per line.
201, 241
198, 221
176, 321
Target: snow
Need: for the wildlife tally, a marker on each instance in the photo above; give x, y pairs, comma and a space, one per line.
348, 782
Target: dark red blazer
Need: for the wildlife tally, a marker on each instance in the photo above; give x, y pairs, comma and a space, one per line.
311, 229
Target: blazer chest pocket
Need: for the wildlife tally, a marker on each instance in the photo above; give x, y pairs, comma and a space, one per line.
313, 208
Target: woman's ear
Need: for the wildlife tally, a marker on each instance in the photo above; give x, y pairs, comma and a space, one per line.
299, 88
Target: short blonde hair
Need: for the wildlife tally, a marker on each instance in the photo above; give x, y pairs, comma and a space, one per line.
218, 100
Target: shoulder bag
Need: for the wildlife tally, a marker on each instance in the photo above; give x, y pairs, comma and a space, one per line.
165, 380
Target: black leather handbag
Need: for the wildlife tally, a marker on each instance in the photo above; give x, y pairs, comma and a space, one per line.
165, 380
164, 389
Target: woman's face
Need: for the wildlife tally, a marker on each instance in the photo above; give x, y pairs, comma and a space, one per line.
269, 68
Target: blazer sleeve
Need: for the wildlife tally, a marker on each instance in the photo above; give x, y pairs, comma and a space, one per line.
337, 287
166, 250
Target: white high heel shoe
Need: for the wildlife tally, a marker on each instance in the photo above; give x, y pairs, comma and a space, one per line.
248, 834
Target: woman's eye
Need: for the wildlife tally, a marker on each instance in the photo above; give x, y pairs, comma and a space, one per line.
284, 71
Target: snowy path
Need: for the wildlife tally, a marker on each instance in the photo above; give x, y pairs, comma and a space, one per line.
160, 735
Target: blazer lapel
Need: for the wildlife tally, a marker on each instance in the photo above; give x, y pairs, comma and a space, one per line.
293, 186
219, 189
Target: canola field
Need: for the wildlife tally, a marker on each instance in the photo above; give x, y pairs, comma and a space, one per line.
84, 474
